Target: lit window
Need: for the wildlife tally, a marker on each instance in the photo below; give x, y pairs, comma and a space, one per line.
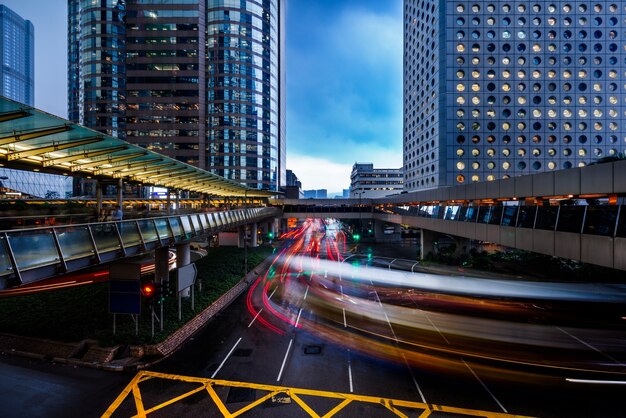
537, 113
506, 165
582, 152
597, 113
551, 165
460, 165
582, 113
475, 178
460, 152
567, 113
460, 87
460, 48
460, 100
506, 152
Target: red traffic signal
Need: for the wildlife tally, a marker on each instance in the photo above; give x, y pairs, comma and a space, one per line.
148, 290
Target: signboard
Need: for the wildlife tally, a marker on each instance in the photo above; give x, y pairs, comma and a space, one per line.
125, 288
186, 276
124, 296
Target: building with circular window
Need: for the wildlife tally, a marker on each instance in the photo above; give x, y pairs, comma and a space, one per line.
494, 89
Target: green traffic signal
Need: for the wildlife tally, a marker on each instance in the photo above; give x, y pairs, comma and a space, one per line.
356, 237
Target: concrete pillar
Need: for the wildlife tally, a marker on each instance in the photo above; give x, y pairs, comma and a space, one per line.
427, 243
168, 205
254, 242
161, 264
284, 226
183, 254
177, 201
379, 230
271, 229
98, 197
242, 236
120, 189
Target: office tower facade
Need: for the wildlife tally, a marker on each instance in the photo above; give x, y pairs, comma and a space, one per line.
495, 89
17, 49
17, 82
201, 81
369, 182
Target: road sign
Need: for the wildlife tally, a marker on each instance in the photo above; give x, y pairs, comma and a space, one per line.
124, 296
186, 276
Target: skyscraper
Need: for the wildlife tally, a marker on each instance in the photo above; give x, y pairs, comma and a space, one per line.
17, 50
494, 89
201, 81
17, 82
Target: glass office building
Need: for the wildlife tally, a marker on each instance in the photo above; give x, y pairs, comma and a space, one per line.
494, 89
17, 73
201, 81
17, 82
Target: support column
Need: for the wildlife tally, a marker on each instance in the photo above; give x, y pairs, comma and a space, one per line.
254, 241
177, 200
161, 264
427, 243
120, 188
284, 225
168, 207
242, 236
98, 197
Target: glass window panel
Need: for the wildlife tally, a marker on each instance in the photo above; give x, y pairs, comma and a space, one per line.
186, 225
75, 242
130, 233
496, 215
462, 212
162, 228
176, 228
439, 212
526, 217
600, 220
621, 225
509, 215
204, 221
106, 237
5, 261
451, 212
484, 214
34, 248
472, 214
546, 217
571, 218
214, 220
148, 231
196, 223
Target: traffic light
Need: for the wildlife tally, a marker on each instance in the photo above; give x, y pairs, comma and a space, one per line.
356, 237
148, 290
270, 235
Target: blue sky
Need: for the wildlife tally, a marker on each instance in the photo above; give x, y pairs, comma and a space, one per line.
344, 82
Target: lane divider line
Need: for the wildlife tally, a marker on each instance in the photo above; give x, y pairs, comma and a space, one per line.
486, 388
255, 317
226, 358
284, 361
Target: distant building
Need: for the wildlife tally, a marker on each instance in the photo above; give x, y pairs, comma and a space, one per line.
346, 193
369, 182
293, 189
316, 194
17, 82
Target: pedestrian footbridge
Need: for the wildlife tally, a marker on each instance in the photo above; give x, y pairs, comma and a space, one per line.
28, 255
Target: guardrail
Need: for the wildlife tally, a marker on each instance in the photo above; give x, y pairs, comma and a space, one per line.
28, 255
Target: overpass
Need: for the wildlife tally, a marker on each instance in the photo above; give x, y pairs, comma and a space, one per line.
29, 255
577, 213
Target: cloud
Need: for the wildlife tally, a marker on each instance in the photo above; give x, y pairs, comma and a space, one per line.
345, 87
320, 173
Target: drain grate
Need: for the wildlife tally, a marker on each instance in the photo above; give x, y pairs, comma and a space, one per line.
242, 352
313, 349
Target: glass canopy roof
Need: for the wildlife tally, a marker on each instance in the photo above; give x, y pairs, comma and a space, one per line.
33, 140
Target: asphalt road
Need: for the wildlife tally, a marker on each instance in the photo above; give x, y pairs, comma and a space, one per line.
298, 330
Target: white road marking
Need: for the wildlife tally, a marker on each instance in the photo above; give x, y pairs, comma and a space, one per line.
298, 319
350, 376
306, 292
345, 324
414, 380
486, 388
590, 346
280, 373
255, 317
226, 358
597, 382
270, 296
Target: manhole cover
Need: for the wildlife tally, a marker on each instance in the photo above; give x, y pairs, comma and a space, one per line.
313, 349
